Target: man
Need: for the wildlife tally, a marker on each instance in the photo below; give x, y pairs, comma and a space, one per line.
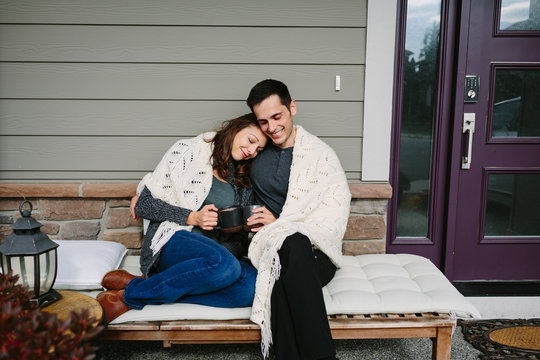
299, 180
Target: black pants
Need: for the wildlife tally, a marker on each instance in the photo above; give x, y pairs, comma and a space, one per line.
300, 327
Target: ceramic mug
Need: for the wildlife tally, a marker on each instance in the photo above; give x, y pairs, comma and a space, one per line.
230, 219
247, 211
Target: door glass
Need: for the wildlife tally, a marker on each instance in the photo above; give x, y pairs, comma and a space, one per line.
420, 69
516, 109
513, 205
520, 15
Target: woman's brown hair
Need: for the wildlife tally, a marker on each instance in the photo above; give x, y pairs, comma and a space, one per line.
221, 154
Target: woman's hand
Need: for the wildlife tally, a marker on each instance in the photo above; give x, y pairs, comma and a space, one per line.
206, 218
261, 216
132, 207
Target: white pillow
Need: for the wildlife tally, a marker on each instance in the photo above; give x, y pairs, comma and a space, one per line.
82, 263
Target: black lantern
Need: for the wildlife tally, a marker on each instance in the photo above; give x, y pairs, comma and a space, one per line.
31, 255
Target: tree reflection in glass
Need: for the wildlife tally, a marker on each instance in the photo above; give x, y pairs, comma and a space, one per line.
417, 116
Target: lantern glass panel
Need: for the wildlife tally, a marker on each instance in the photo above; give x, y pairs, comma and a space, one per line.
4, 264
24, 267
47, 267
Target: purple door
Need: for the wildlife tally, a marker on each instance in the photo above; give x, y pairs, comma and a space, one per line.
493, 230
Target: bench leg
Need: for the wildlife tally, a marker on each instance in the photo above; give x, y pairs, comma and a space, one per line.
442, 344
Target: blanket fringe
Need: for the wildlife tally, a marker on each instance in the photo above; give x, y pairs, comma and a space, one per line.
266, 329
453, 316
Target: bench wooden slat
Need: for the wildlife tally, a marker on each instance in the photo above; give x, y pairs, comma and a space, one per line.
436, 326
136, 326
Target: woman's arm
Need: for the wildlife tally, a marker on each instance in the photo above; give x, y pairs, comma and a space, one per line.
154, 209
158, 210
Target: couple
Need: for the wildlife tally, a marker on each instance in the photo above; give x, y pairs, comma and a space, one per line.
306, 199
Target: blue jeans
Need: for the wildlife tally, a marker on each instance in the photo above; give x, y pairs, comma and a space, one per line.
194, 269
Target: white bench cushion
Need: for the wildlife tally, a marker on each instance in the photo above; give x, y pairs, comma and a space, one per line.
366, 284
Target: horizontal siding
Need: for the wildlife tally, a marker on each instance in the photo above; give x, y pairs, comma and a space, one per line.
173, 81
98, 90
94, 176
89, 153
159, 118
181, 44
323, 13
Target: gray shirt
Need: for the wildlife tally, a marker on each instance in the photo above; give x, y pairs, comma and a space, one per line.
270, 177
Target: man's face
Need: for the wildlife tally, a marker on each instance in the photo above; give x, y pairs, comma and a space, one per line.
276, 120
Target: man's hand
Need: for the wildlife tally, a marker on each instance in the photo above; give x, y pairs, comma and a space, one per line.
261, 216
132, 207
206, 218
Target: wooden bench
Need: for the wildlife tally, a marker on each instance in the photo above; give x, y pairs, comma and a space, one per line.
436, 326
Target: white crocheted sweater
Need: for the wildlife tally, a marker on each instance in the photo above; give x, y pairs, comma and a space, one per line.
317, 205
182, 178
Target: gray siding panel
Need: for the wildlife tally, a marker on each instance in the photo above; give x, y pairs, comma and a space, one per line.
94, 176
98, 90
90, 153
323, 13
159, 118
173, 81
182, 44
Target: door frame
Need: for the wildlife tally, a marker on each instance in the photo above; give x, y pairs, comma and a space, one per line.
433, 246
455, 161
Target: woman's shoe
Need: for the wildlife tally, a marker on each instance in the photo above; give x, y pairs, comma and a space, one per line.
112, 302
117, 279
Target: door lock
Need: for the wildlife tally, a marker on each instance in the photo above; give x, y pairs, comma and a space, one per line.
472, 85
468, 127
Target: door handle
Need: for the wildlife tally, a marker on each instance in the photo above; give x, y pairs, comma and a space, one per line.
468, 127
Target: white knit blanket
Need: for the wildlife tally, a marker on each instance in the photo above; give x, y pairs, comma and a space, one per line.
182, 178
317, 205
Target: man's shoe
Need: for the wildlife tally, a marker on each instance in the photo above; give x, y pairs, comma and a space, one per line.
112, 302
117, 279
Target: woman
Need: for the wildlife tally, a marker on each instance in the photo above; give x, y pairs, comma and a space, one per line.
182, 259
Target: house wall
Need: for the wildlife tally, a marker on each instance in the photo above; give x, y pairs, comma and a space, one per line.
92, 93
99, 90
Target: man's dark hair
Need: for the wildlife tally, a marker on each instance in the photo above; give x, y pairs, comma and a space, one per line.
267, 88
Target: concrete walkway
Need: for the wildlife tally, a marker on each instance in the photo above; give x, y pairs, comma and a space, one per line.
378, 349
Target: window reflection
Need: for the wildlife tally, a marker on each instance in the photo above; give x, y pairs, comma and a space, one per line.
520, 15
513, 205
417, 118
516, 111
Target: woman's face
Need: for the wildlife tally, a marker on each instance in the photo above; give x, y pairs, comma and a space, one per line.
247, 143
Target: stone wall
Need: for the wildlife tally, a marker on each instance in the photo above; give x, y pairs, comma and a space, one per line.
99, 211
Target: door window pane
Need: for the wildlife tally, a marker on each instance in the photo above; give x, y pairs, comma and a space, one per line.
520, 15
513, 205
516, 109
417, 117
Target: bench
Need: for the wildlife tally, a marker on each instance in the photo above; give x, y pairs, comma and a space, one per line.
372, 296
436, 326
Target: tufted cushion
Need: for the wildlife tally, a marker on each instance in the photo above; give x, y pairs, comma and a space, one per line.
379, 283
388, 283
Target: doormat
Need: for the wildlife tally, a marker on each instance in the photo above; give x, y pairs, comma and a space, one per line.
504, 339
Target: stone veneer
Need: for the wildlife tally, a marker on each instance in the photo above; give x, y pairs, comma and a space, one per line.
100, 211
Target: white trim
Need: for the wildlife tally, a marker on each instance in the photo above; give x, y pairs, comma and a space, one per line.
379, 81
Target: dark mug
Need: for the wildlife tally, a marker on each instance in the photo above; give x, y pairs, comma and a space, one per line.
247, 211
230, 219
